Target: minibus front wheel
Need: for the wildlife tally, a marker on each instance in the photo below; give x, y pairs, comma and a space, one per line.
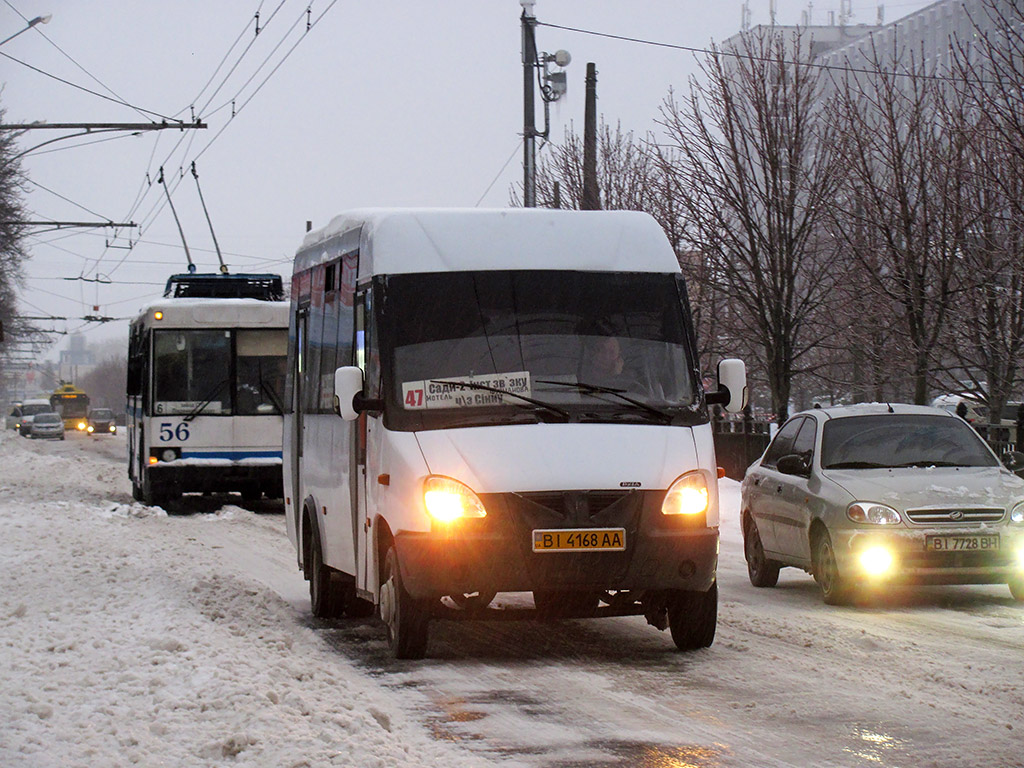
693, 618
405, 618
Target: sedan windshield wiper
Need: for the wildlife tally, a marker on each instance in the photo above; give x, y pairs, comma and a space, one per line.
857, 465
619, 393
538, 403
929, 463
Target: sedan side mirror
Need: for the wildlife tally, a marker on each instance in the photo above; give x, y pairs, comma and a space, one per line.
732, 386
794, 464
1013, 460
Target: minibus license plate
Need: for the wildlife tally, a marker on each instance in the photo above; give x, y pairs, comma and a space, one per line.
961, 543
580, 540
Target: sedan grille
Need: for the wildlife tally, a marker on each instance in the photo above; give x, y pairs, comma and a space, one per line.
957, 516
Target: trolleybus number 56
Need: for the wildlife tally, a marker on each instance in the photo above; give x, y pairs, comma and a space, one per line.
169, 432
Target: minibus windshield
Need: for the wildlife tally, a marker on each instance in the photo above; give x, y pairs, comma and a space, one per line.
582, 346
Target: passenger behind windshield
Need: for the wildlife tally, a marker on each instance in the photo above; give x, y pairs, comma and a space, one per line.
901, 440
554, 336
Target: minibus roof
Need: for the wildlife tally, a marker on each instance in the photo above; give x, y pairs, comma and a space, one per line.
406, 240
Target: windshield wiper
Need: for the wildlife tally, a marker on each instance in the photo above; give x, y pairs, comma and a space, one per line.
538, 403
198, 409
619, 393
857, 465
928, 463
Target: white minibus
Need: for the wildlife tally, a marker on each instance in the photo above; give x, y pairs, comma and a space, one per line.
500, 401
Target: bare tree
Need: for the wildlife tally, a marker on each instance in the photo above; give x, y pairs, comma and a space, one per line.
897, 213
12, 242
752, 165
986, 338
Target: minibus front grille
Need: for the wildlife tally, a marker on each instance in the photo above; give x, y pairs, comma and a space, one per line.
575, 505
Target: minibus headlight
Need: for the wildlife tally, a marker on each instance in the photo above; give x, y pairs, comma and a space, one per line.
688, 495
448, 500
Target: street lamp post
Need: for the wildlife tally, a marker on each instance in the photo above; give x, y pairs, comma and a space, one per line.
37, 20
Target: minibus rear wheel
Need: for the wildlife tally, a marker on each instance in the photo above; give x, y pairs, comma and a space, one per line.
693, 618
325, 599
406, 619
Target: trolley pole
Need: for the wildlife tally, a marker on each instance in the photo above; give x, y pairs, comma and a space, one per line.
529, 24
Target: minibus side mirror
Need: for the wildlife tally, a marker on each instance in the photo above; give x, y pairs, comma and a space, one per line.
732, 386
1013, 460
348, 394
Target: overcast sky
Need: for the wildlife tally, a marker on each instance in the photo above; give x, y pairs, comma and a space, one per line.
380, 103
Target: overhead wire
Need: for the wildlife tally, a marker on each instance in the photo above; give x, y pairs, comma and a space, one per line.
90, 91
746, 55
157, 208
69, 57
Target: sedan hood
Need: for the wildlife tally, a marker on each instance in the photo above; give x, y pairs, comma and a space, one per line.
922, 487
544, 457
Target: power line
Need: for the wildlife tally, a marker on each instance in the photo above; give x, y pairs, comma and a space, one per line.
750, 56
89, 90
68, 56
498, 175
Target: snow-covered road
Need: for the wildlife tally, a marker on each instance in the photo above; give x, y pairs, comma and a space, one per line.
132, 638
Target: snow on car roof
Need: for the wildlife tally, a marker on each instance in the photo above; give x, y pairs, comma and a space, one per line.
404, 240
880, 409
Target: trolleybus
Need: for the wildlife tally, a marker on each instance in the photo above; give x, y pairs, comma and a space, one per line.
205, 394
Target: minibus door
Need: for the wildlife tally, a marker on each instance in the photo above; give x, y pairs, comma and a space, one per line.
360, 510
298, 391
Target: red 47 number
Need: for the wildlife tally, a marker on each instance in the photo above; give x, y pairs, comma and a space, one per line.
414, 398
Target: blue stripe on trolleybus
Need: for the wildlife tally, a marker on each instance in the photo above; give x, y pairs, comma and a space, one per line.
232, 455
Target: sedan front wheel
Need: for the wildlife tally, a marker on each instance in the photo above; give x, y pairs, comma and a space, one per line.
834, 588
762, 571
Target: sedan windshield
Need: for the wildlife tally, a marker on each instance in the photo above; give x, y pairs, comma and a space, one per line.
579, 346
47, 418
902, 440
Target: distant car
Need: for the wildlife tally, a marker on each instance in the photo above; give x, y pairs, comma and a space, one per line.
863, 495
47, 425
13, 417
101, 422
29, 410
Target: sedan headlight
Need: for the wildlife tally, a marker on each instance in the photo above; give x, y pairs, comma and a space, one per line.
90, 429
1017, 514
448, 500
688, 495
873, 514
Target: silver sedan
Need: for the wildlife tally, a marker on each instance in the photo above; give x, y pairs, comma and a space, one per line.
864, 495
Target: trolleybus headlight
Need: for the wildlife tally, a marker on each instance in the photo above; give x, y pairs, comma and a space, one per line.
448, 500
169, 454
688, 495
875, 561
81, 426
875, 514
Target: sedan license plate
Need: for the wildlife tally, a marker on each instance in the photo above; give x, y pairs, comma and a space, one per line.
579, 540
961, 543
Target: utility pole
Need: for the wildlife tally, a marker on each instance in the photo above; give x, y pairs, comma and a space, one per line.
529, 26
591, 194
